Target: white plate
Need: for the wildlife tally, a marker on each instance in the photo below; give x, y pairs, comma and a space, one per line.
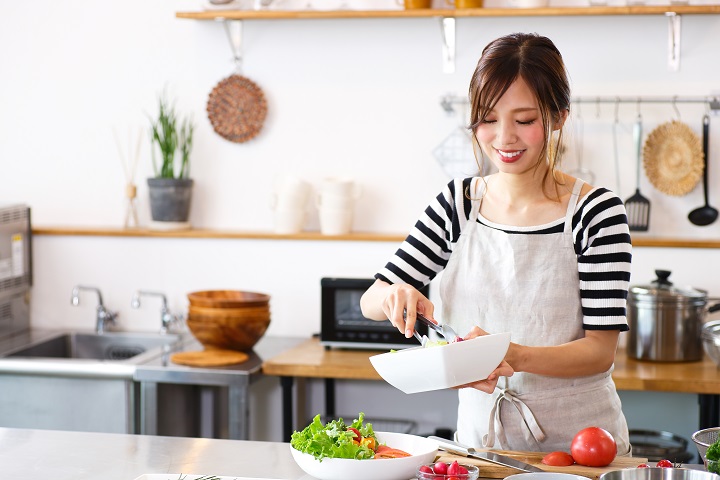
421, 450
182, 476
421, 369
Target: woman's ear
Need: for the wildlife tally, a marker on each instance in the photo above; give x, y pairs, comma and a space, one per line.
562, 116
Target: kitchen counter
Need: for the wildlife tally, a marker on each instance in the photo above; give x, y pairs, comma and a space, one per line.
312, 360
46, 454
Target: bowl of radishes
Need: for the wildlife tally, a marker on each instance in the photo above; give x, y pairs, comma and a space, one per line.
443, 471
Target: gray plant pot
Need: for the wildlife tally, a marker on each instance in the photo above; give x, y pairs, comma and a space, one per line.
170, 199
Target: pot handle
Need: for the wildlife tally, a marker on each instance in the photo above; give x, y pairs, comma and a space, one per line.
714, 308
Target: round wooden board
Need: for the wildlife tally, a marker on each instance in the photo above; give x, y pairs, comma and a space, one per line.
209, 358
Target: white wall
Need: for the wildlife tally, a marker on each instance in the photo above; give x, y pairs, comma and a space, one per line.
346, 97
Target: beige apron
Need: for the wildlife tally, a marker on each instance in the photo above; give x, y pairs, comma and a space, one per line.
528, 285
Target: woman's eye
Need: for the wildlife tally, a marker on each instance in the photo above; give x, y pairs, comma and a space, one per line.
489, 120
526, 122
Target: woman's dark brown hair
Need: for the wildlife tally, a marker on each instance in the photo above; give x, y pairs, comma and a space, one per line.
538, 62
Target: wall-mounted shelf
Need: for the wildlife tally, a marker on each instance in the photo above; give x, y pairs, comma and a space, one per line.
638, 241
451, 12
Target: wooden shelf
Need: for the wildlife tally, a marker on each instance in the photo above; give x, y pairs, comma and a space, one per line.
638, 241
434, 12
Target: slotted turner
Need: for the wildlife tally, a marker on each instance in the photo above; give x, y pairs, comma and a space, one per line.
637, 206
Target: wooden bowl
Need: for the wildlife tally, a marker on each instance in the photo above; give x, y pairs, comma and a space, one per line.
228, 331
228, 319
227, 299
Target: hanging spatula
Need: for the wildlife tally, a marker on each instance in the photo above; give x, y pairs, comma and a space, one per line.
637, 206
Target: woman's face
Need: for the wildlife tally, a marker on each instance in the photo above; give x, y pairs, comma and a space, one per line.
512, 135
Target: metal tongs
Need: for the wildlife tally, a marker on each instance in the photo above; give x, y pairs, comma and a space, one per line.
446, 331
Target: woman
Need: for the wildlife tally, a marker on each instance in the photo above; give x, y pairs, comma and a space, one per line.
528, 250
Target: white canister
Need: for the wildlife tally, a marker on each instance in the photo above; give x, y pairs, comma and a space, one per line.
335, 221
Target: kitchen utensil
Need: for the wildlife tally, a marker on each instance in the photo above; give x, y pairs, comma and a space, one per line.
704, 438
236, 106
445, 330
209, 358
673, 158
443, 366
421, 450
581, 171
492, 457
637, 206
710, 336
658, 474
665, 321
706, 214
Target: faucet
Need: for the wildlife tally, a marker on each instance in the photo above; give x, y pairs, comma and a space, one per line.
167, 318
104, 317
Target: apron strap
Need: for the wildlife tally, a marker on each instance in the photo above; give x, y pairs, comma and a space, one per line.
572, 204
531, 432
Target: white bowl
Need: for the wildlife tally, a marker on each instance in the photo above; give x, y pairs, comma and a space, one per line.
545, 476
421, 369
421, 450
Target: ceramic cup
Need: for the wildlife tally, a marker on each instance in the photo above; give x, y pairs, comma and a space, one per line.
335, 221
465, 3
290, 193
413, 4
289, 221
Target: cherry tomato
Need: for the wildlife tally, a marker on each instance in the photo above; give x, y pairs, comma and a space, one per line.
643, 465
426, 469
440, 468
356, 432
453, 469
462, 470
593, 447
665, 464
558, 459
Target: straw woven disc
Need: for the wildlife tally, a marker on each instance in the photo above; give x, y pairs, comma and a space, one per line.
673, 158
237, 108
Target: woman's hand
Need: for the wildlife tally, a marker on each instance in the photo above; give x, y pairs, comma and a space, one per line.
488, 385
384, 301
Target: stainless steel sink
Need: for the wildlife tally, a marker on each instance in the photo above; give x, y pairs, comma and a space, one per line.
110, 346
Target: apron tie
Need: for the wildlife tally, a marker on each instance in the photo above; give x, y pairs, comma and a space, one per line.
532, 430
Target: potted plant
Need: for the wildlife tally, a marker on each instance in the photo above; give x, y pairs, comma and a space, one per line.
171, 189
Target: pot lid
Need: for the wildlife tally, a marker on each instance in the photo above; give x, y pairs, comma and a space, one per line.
663, 289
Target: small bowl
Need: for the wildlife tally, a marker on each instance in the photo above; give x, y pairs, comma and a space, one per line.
711, 340
473, 473
704, 438
419, 369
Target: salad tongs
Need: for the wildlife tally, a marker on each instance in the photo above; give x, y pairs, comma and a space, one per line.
446, 331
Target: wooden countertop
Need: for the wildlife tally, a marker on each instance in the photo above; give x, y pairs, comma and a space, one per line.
311, 360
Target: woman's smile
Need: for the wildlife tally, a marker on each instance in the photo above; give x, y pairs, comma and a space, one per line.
509, 156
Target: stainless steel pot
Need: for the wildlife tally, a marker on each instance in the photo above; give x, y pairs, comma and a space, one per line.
666, 321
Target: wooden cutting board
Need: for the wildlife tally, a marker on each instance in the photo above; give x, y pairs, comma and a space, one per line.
492, 470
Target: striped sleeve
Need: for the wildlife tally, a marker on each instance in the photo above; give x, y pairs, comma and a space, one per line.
426, 250
604, 250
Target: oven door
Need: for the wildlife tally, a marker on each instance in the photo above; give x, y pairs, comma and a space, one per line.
343, 324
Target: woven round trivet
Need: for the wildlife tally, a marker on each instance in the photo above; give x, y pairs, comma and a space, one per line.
673, 158
237, 108
209, 358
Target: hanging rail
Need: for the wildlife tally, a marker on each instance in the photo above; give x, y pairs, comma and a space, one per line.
713, 103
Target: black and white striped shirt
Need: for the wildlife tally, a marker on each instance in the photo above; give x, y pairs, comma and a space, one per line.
601, 240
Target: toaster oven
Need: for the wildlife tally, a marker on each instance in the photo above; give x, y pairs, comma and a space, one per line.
343, 324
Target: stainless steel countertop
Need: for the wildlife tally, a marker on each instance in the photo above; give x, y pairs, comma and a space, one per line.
54, 455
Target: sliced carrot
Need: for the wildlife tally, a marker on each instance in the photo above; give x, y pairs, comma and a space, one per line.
383, 451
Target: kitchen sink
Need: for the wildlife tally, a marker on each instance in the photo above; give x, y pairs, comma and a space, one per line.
109, 346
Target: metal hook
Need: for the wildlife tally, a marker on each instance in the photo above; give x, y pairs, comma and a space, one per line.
235, 40
674, 105
639, 100
597, 107
617, 109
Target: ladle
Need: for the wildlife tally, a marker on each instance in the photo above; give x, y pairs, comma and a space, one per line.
706, 214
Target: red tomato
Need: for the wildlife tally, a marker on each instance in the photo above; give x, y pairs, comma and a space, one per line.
665, 464
440, 468
453, 469
558, 459
426, 469
462, 470
593, 447
643, 465
356, 432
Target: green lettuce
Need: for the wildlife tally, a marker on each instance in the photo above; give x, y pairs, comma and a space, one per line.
333, 440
